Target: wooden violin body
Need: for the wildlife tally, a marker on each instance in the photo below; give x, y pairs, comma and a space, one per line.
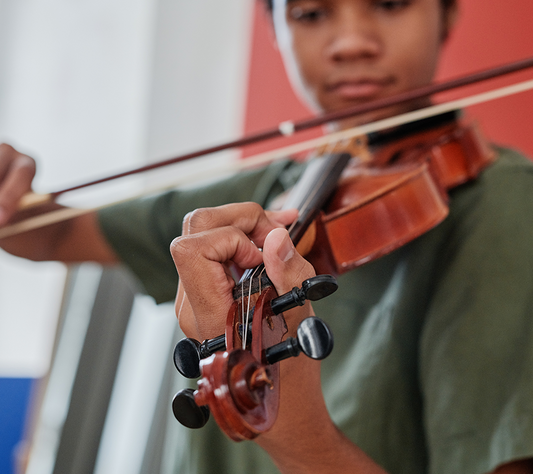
381, 205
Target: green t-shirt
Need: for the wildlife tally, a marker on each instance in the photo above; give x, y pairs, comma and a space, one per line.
432, 370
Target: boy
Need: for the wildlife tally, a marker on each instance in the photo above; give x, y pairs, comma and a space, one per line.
431, 371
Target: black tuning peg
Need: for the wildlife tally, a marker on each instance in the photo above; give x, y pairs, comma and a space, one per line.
187, 412
313, 289
188, 352
313, 338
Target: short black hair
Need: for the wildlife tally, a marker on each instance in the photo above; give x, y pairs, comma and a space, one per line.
445, 4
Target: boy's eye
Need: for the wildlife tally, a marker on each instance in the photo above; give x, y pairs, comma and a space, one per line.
392, 5
307, 14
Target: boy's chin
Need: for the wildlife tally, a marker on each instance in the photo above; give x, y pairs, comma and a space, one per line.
376, 115
363, 119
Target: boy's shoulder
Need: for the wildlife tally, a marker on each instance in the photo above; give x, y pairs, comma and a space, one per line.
498, 202
511, 173
509, 179
509, 159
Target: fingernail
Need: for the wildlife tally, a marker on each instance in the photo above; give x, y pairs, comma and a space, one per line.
286, 249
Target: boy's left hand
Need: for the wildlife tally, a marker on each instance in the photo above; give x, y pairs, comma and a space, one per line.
212, 240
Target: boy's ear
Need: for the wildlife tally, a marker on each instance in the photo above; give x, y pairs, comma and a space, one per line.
450, 17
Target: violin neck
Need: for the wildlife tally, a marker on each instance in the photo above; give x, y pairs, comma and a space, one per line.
310, 194
313, 190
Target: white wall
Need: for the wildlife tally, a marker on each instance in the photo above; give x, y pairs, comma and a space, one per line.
74, 81
94, 86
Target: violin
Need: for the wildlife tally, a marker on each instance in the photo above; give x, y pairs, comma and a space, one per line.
385, 191
361, 200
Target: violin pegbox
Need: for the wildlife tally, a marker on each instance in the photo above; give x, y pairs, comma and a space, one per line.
240, 382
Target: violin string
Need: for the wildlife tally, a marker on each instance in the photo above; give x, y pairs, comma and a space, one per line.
59, 215
330, 146
260, 282
245, 339
246, 314
242, 304
315, 190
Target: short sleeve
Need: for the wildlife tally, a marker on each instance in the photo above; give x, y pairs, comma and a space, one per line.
476, 349
141, 231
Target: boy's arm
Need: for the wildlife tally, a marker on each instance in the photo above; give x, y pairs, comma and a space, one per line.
75, 240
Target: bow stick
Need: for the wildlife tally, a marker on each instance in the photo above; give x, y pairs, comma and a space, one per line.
288, 128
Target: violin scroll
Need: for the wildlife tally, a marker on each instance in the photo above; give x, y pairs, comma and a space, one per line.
314, 339
241, 384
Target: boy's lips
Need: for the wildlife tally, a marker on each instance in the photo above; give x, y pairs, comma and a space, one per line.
354, 89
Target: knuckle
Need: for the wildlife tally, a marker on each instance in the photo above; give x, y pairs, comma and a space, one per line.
248, 216
253, 206
6, 149
255, 209
25, 164
184, 251
179, 247
200, 220
185, 224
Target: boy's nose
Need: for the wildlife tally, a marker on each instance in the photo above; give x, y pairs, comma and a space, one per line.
353, 37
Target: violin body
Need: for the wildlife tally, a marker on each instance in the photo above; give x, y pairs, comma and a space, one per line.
399, 195
387, 209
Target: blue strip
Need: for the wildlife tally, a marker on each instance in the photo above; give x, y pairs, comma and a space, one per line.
14, 399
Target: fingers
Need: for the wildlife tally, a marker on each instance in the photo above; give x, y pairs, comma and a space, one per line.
185, 313
286, 268
284, 265
249, 217
16, 174
202, 261
212, 239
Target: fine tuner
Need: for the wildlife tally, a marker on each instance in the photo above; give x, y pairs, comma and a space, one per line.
313, 338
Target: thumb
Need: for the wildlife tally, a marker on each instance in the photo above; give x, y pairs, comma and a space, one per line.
285, 267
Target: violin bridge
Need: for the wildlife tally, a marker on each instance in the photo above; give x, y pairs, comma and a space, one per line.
355, 146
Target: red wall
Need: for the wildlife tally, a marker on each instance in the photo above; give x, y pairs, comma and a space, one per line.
488, 33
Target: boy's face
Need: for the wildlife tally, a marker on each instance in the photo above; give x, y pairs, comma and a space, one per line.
340, 53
